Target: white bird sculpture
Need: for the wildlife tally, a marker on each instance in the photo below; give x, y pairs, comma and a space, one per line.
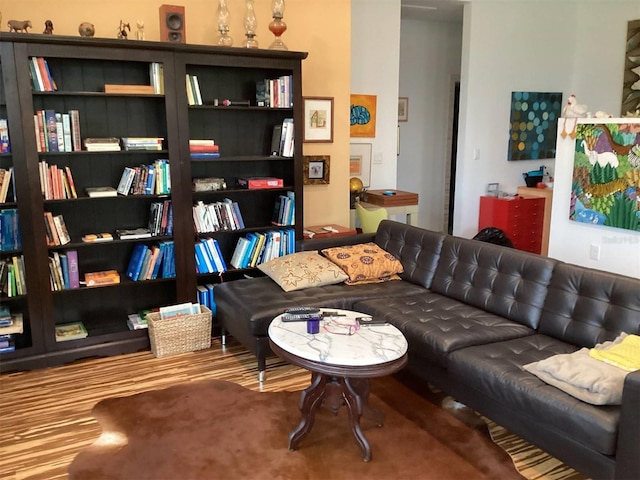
572, 110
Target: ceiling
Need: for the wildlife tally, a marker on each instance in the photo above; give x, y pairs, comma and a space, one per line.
434, 10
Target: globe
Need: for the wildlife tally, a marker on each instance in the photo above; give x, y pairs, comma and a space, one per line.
355, 185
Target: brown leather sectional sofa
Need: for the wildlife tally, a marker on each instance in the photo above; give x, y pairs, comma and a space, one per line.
473, 314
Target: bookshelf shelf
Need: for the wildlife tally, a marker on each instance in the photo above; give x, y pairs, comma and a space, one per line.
81, 68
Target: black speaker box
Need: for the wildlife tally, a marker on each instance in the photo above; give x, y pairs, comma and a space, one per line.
172, 24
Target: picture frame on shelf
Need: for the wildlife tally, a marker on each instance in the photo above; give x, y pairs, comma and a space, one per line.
316, 169
360, 162
403, 109
318, 120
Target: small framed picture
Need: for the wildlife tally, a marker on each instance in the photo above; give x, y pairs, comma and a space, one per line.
318, 119
360, 162
316, 170
403, 109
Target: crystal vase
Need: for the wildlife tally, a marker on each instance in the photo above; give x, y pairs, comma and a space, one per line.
277, 25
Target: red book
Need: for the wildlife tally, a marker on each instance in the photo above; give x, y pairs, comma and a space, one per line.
204, 148
260, 182
45, 75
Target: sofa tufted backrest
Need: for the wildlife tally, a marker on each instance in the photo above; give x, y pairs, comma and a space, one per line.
417, 249
500, 280
586, 306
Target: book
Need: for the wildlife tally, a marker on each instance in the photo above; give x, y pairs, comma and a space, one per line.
51, 131
136, 322
260, 182
239, 252
106, 277
16, 326
70, 331
76, 139
61, 229
129, 89
97, 237
5, 145
126, 180
133, 233
135, 261
181, 309
95, 192
74, 273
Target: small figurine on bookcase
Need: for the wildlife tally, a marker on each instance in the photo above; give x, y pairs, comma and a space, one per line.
122, 30
86, 29
140, 31
19, 26
48, 27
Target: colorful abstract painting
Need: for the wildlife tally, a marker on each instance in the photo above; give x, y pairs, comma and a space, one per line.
363, 115
533, 125
606, 175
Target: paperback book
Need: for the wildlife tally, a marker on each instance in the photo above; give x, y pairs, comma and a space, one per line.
70, 331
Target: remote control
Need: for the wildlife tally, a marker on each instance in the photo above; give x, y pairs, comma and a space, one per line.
303, 310
371, 322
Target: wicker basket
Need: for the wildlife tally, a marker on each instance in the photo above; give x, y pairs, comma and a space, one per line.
183, 334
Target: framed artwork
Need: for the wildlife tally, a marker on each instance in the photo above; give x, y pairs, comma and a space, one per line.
363, 116
533, 125
606, 169
318, 119
360, 162
316, 169
403, 109
631, 80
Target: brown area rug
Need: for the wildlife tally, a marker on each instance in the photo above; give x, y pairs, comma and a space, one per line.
215, 429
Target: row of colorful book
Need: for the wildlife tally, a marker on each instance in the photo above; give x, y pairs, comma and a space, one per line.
7, 179
12, 276
5, 144
259, 247
149, 262
41, 77
284, 211
209, 258
56, 183
57, 132
213, 217
152, 179
63, 270
10, 237
275, 92
194, 96
56, 230
203, 148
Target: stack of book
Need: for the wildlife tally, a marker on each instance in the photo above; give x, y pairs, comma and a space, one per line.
56, 182
108, 144
12, 276
63, 270
41, 75
275, 92
105, 277
153, 179
71, 331
205, 148
149, 262
100, 192
284, 211
57, 132
6, 179
137, 321
10, 238
10, 326
5, 144
193, 90
260, 247
161, 218
213, 217
209, 258
142, 143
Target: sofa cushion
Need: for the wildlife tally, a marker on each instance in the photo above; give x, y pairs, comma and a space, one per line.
500, 280
435, 325
417, 249
365, 263
495, 371
251, 304
302, 270
585, 306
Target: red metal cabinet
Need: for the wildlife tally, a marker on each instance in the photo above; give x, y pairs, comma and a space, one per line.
521, 218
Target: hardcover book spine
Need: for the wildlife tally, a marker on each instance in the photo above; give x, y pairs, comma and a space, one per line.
74, 272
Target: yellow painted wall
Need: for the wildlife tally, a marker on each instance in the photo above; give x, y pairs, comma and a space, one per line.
320, 27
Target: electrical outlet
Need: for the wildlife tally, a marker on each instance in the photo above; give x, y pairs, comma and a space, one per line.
594, 252
377, 158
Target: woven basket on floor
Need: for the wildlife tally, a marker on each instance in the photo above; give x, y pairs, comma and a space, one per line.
186, 333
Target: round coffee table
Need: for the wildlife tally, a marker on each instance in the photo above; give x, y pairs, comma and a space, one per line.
341, 366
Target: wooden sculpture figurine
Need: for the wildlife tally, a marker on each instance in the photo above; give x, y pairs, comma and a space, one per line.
48, 27
19, 25
122, 30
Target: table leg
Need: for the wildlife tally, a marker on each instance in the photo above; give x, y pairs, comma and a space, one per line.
363, 387
355, 407
310, 401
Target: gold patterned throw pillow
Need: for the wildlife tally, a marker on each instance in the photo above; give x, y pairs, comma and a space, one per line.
303, 270
365, 263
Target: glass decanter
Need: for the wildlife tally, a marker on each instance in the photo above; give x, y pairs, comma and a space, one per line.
223, 24
277, 26
250, 26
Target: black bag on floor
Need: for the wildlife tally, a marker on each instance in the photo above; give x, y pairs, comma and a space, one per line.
493, 235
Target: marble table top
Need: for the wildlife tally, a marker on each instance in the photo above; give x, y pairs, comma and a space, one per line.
367, 346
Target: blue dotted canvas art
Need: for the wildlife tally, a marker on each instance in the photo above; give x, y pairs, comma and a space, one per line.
533, 125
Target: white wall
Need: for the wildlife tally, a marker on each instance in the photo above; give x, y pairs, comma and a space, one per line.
526, 45
375, 59
430, 55
572, 241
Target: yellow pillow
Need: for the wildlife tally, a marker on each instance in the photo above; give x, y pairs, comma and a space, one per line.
302, 270
365, 263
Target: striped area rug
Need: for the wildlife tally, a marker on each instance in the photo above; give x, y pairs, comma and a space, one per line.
531, 462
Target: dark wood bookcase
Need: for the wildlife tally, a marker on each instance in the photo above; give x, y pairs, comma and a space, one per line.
81, 67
